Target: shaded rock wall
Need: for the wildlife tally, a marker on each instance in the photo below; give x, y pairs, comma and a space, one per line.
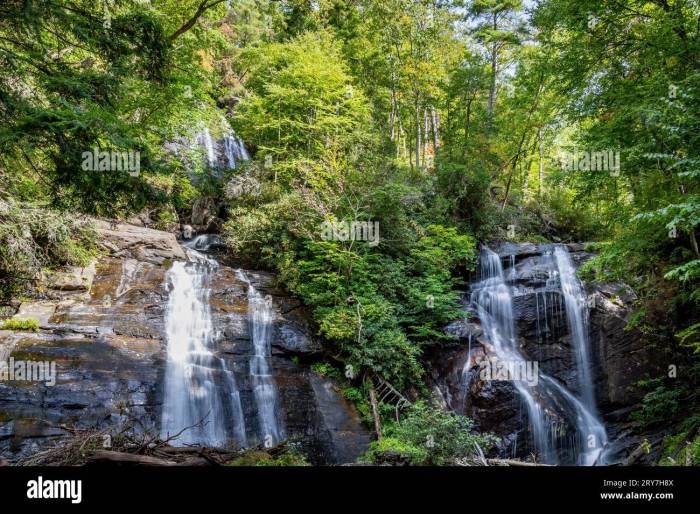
619, 357
109, 348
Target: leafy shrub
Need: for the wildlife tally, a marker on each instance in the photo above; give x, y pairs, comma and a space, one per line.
325, 369
430, 436
35, 237
661, 403
29, 324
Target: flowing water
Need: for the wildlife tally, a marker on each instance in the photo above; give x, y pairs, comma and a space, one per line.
204, 138
235, 150
577, 318
201, 402
264, 388
564, 427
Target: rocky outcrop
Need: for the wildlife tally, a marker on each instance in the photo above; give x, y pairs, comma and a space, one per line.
110, 353
140, 243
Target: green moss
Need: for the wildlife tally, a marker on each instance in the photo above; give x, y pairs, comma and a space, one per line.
677, 452
326, 369
250, 458
29, 324
391, 444
262, 458
290, 458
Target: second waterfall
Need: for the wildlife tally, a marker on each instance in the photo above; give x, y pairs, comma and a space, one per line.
264, 388
563, 421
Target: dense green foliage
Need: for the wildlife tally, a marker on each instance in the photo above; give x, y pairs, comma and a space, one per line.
429, 436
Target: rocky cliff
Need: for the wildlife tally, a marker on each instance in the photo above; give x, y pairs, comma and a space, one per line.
619, 356
103, 326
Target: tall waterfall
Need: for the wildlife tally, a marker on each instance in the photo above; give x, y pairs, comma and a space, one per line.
230, 147
265, 390
204, 139
553, 411
494, 304
201, 396
577, 318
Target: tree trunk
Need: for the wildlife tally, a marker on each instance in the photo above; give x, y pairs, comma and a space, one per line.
375, 410
426, 138
541, 166
494, 70
417, 134
694, 242
435, 124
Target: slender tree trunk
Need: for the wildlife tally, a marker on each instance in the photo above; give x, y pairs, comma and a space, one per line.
494, 70
393, 101
426, 138
694, 242
375, 410
403, 142
512, 170
418, 161
541, 166
435, 121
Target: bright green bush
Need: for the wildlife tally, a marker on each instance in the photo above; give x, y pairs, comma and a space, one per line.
29, 324
427, 435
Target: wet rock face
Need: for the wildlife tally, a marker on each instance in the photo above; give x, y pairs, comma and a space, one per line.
618, 356
143, 244
110, 352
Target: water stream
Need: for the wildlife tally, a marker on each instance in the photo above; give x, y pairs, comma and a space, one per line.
564, 426
201, 400
264, 388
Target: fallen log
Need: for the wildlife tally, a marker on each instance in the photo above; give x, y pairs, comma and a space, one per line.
128, 459
513, 462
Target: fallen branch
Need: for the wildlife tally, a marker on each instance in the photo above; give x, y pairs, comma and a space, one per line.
513, 462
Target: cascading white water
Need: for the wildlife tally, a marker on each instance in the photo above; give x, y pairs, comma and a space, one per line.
204, 139
264, 388
577, 318
493, 301
550, 405
201, 400
235, 150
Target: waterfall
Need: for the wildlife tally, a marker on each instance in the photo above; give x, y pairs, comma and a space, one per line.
235, 150
551, 407
264, 388
493, 301
577, 318
204, 139
201, 395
